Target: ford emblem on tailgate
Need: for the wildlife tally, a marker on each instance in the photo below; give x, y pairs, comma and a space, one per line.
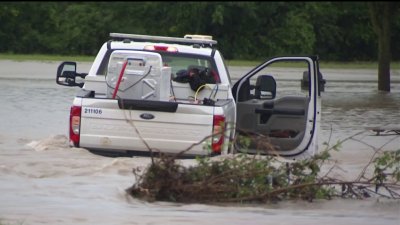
147, 116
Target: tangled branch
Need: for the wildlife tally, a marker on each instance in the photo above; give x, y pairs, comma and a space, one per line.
245, 178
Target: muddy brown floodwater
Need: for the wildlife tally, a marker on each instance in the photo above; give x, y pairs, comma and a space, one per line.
43, 181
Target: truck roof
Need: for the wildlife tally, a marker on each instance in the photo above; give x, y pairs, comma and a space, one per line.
189, 39
192, 44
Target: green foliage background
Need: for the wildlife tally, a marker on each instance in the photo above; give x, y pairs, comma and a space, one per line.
336, 31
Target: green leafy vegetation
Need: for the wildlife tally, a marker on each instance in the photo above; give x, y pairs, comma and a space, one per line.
255, 31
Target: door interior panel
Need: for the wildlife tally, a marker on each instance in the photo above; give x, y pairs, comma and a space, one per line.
282, 121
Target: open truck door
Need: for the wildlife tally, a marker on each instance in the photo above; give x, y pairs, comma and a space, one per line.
277, 112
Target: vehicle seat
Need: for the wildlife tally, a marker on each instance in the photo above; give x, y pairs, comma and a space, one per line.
265, 83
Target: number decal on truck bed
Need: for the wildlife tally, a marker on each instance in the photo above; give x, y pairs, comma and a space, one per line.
92, 111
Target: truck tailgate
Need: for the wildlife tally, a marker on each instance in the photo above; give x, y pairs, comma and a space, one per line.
163, 127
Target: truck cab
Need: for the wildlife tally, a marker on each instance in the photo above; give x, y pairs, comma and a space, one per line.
139, 95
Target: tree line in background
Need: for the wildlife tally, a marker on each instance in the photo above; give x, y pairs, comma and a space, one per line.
336, 31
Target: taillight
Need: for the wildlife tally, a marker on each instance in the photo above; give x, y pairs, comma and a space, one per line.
218, 133
216, 77
160, 48
74, 125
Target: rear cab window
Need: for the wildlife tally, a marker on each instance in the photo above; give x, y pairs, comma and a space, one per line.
179, 62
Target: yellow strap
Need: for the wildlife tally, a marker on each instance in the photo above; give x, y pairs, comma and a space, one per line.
198, 89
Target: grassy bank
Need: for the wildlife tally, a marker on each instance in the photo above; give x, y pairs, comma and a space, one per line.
41, 57
80, 58
323, 64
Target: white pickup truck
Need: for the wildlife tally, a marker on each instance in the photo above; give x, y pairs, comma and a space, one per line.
166, 94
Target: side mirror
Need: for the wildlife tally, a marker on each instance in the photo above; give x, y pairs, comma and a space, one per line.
66, 75
305, 81
322, 82
265, 87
